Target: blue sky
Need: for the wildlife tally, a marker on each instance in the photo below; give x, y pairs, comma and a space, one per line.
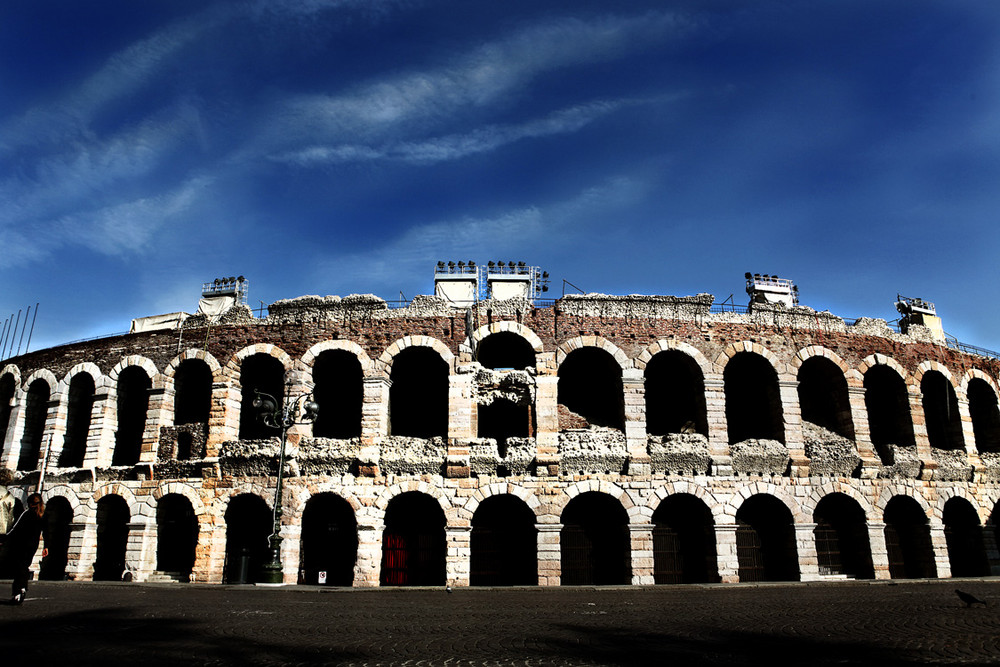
337, 147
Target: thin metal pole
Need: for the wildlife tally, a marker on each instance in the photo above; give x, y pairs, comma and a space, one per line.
3, 334
32, 330
21, 340
16, 322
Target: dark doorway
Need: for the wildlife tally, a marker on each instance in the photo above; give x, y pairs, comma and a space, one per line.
177, 535
504, 543
675, 395
503, 419
112, 538
595, 542
413, 543
823, 396
58, 527
36, 407
888, 408
7, 388
329, 541
192, 392
964, 534
985, 416
753, 403
944, 424
765, 541
908, 540
841, 535
505, 349
78, 414
249, 522
133, 404
684, 542
418, 397
263, 373
339, 392
590, 384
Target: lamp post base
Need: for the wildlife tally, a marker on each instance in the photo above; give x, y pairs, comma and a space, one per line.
271, 572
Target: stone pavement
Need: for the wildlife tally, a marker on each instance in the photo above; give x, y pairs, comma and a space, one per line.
882, 623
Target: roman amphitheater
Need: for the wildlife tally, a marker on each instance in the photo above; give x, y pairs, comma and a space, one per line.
486, 436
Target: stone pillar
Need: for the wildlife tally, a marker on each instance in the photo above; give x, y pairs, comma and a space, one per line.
788, 391
140, 553
458, 555
718, 431
460, 411
870, 461
291, 544
969, 435
15, 429
641, 540
805, 547
549, 554
547, 424
633, 383
368, 567
992, 551
224, 418
725, 547
928, 465
374, 425
86, 550
75, 550
101, 438
56, 424
215, 540
880, 553
940, 547
156, 417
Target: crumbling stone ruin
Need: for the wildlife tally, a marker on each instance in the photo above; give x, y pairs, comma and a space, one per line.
506, 440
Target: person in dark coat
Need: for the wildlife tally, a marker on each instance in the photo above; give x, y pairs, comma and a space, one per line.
22, 543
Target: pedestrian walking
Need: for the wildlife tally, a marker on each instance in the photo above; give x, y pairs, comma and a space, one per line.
21, 544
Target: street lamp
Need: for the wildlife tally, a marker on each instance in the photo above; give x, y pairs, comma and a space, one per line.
283, 417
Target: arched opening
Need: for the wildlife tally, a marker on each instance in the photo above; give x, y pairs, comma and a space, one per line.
944, 424
841, 534
36, 407
418, 397
503, 419
823, 396
675, 395
908, 540
177, 535
133, 404
192, 392
590, 385
753, 403
249, 522
264, 373
329, 541
985, 416
594, 541
413, 543
7, 388
684, 542
113, 517
765, 541
58, 527
339, 391
964, 535
504, 543
78, 414
505, 349
888, 411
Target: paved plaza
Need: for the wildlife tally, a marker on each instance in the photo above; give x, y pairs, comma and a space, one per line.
817, 624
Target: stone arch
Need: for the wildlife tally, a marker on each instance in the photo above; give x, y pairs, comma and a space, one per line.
942, 420
810, 503
41, 374
931, 365
233, 365
611, 489
13, 370
733, 349
386, 359
142, 362
390, 492
63, 491
84, 367
707, 367
309, 358
968, 376
498, 489
879, 359
181, 489
201, 355
946, 493
675, 488
890, 492
744, 493
592, 341
304, 495
506, 326
126, 494
811, 351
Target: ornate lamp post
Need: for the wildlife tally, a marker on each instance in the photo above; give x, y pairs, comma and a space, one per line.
283, 417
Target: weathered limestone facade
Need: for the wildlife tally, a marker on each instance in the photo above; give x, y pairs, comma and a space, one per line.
596, 440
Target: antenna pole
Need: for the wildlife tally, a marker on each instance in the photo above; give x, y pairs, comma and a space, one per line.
16, 322
32, 330
21, 340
